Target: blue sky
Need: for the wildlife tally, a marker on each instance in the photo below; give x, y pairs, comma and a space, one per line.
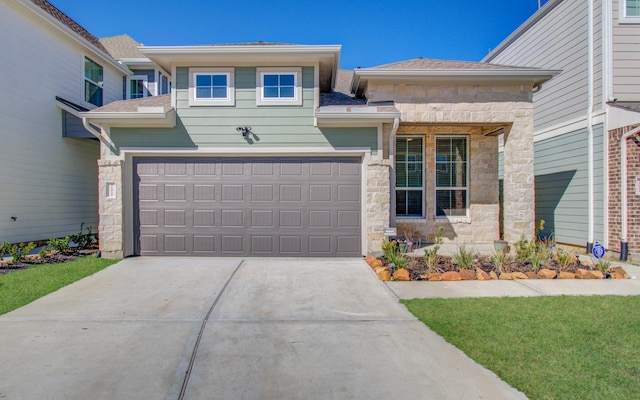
371, 32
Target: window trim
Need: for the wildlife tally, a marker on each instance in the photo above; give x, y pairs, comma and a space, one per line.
422, 188
268, 101
467, 188
145, 83
85, 101
624, 18
230, 100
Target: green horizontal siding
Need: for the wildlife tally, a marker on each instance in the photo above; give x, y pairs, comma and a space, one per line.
272, 126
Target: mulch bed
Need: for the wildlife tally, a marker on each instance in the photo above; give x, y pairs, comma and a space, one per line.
52, 258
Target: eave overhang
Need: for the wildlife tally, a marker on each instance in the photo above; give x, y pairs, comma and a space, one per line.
326, 56
145, 117
535, 77
355, 115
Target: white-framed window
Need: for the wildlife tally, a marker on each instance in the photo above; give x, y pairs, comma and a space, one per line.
93, 82
452, 176
138, 87
409, 176
279, 86
630, 11
163, 83
211, 87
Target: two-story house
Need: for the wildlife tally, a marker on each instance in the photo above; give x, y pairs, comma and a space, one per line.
586, 119
270, 150
52, 69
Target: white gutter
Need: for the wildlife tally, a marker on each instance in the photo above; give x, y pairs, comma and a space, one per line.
392, 172
99, 135
624, 246
590, 141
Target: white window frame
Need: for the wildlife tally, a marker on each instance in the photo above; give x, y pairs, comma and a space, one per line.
269, 101
624, 18
422, 188
229, 100
435, 180
85, 79
145, 83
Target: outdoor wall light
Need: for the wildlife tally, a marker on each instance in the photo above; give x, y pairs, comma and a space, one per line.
245, 130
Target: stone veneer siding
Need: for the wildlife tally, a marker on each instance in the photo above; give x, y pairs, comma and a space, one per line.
614, 196
111, 228
472, 110
377, 202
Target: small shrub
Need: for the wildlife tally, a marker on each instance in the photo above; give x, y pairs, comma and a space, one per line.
59, 244
431, 257
19, 251
603, 264
524, 249
564, 258
43, 252
84, 240
499, 260
4, 248
463, 257
388, 248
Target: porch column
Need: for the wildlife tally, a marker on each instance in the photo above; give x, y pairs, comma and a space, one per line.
110, 197
519, 176
377, 207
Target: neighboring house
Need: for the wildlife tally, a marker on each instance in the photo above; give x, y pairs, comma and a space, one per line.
148, 79
270, 150
51, 70
580, 117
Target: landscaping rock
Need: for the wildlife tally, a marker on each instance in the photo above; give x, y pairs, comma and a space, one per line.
582, 273
434, 276
519, 275
617, 272
481, 275
566, 275
467, 275
402, 274
546, 273
451, 276
587, 264
597, 275
531, 275
506, 276
493, 275
376, 264
370, 260
383, 274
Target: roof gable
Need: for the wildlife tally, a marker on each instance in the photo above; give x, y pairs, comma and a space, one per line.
122, 46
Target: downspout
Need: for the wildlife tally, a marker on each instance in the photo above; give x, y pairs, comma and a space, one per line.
392, 172
590, 140
99, 135
624, 244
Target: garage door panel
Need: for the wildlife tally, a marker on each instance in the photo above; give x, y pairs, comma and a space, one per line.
250, 206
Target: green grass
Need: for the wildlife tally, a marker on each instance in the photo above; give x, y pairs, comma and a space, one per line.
21, 287
547, 347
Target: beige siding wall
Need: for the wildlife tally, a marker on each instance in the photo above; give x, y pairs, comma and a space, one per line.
626, 58
48, 182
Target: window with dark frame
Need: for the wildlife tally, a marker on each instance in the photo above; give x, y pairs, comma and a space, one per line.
451, 173
409, 167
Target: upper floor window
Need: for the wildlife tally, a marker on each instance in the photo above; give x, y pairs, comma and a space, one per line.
409, 176
211, 87
279, 86
452, 184
630, 11
93, 81
138, 87
164, 84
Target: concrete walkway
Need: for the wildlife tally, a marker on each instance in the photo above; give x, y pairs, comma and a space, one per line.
203, 328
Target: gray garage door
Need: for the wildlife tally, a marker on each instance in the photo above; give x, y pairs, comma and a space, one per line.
248, 207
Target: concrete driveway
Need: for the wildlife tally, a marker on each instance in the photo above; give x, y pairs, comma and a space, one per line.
207, 328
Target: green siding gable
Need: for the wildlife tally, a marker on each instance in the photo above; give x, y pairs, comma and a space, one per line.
271, 126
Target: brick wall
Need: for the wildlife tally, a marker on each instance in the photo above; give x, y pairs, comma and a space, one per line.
633, 199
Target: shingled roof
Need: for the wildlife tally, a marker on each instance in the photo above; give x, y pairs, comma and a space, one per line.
122, 46
433, 64
341, 94
132, 105
68, 22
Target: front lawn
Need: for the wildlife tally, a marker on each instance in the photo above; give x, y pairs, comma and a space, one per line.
21, 287
547, 347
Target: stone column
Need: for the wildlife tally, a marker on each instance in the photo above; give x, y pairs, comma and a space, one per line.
519, 175
111, 228
377, 207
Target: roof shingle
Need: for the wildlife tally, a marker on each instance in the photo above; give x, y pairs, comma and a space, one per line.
163, 101
433, 64
122, 46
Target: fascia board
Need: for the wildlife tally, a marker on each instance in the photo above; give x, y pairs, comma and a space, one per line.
74, 36
131, 118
